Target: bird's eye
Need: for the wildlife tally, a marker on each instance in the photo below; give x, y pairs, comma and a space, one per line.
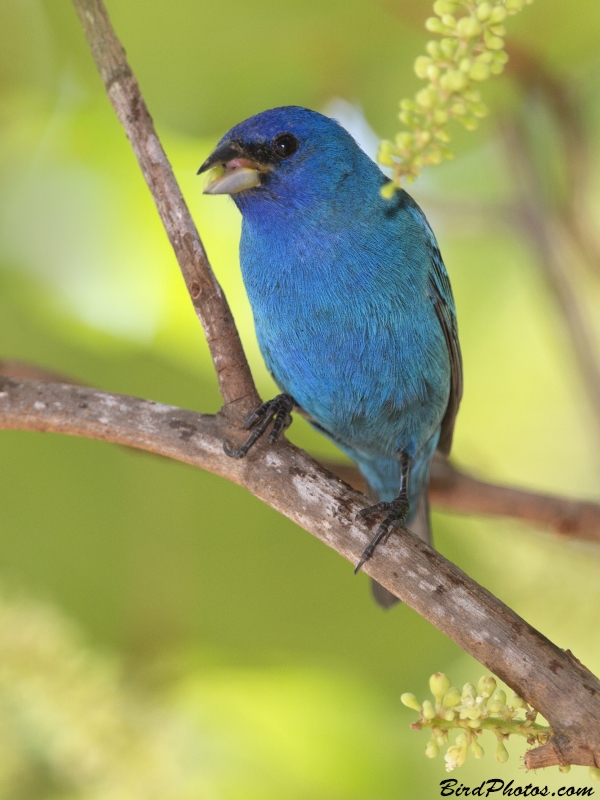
285, 145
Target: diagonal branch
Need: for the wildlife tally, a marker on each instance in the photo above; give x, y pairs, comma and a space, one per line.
235, 380
288, 480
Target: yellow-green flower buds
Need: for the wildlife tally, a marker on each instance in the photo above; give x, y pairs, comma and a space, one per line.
486, 686
484, 11
404, 140
468, 712
493, 42
469, 51
595, 773
453, 81
439, 685
498, 15
455, 757
452, 697
564, 769
448, 47
434, 48
479, 71
501, 752
467, 27
427, 98
387, 191
444, 7
385, 158
408, 119
435, 25
469, 692
477, 750
422, 64
432, 749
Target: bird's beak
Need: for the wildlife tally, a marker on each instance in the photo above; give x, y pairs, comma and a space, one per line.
229, 171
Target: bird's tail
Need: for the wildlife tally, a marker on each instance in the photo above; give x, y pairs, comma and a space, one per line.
421, 527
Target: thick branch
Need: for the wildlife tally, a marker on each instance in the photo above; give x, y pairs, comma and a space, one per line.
450, 488
235, 380
284, 477
288, 480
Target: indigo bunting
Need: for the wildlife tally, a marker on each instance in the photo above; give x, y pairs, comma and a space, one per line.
352, 305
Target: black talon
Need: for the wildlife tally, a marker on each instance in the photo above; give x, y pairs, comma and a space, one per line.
397, 512
278, 411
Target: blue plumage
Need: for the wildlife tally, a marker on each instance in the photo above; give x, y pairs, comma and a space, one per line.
352, 304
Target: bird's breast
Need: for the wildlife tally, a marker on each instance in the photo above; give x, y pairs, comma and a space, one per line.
355, 342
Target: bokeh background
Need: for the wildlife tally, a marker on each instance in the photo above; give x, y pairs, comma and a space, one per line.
162, 633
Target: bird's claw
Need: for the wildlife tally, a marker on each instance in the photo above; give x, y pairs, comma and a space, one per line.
278, 411
397, 512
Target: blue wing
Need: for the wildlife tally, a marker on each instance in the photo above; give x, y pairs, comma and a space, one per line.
440, 294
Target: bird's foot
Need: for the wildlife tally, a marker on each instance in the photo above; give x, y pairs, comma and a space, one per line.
397, 512
278, 411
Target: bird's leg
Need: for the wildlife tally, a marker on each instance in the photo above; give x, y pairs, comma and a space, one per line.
278, 411
397, 512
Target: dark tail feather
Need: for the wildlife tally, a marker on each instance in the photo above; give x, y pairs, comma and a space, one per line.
420, 527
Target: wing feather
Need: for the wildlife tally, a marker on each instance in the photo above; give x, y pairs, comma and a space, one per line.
440, 293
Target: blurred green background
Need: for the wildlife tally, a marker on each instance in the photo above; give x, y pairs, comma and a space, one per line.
226, 653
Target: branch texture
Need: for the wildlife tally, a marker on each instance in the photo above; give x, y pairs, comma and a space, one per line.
287, 479
235, 380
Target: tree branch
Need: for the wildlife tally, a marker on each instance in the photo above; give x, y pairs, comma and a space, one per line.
288, 480
450, 488
454, 490
539, 228
235, 380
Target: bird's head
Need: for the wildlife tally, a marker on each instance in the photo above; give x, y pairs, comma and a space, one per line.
288, 154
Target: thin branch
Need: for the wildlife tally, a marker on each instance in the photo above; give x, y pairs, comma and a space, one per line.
235, 380
454, 490
291, 482
539, 227
572, 205
23, 370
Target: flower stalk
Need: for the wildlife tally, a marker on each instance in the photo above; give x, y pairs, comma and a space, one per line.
470, 50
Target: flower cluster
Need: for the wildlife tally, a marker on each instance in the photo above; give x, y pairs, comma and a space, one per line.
471, 712
470, 51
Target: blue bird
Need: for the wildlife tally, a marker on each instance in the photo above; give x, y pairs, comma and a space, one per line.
352, 305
